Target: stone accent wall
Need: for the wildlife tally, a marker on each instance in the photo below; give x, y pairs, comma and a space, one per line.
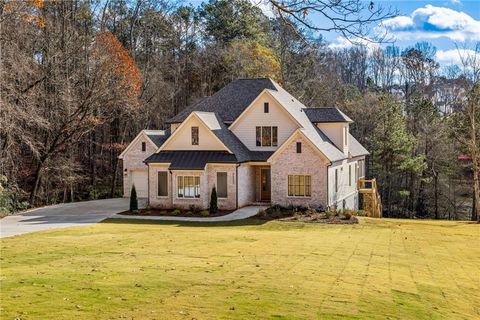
246, 185
133, 160
308, 162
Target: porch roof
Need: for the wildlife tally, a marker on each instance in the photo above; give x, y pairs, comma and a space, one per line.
191, 160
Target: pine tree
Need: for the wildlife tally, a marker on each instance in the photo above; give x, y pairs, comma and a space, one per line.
213, 201
133, 200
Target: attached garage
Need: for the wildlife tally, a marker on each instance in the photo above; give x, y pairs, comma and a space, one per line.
140, 180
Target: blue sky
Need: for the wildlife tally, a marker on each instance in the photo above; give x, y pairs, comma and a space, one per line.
447, 24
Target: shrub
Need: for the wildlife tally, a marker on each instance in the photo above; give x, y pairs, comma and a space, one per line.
195, 209
163, 212
204, 213
176, 212
361, 213
133, 200
213, 201
347, 215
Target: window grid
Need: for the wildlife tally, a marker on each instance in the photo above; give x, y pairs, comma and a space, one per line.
144, 147
266, 136
195, 138
188, 187
299, 186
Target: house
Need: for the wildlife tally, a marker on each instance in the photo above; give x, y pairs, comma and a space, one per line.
254, 142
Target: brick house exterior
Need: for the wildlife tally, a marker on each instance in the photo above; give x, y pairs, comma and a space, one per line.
254, 142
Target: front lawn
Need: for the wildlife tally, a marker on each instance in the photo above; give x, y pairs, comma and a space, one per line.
397, 269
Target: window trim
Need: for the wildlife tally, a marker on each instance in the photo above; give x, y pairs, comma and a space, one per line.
259, 142
144, 146
226, 186
304, 175
183, 186
198, 135
158, 189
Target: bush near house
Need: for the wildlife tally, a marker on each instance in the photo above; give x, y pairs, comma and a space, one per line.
133, 200
214, 201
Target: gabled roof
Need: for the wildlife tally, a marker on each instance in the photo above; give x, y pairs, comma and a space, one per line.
295, 108
230, 101
155, 137
355, 148
326, 115
158, 137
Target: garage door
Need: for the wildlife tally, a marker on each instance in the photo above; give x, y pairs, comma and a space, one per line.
139, 178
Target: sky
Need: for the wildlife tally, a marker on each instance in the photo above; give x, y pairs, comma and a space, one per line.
452, 26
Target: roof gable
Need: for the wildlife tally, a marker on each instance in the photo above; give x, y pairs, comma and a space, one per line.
154, 137
230, 101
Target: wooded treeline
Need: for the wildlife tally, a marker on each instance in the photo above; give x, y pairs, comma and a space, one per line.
81, 78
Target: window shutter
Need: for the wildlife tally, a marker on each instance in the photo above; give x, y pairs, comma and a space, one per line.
222, 189
162, 183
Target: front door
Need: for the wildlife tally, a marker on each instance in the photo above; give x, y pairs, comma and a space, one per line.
265, 186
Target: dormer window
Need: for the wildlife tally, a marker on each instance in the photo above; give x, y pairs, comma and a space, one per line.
195, 138
299, 147
144, 147
265, 107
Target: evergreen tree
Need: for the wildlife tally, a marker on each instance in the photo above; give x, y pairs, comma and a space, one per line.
213, 201
133, 200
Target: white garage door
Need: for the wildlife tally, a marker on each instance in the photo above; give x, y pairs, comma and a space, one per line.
140, 179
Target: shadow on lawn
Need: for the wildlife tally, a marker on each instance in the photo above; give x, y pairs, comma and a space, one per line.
234, 223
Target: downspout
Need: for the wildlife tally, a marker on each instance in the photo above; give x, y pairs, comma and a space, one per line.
236, 185
328, 193
148, 185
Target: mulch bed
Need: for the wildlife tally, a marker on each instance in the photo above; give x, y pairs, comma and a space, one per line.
169, 213
316, 217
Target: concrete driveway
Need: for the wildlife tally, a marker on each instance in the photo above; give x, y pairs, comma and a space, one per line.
61, 216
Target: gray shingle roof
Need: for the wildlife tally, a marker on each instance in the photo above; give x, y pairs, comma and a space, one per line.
191, 160
158, 136
355, 148
326, 115
230, 101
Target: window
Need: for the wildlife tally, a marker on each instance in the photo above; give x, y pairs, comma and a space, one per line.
222, 191
266, 136
144, 147
188, 186
195, 136
299, 147
350, 175
299, 186
265, 107
361, 168
162, 184
336, 180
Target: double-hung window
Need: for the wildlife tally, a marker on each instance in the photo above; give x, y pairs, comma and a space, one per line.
299, 185
266, 136
188, 187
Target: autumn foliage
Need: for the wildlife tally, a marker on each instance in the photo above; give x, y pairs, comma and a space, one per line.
114, 58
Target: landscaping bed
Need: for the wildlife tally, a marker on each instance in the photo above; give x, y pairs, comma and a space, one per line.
177, 213
310, 215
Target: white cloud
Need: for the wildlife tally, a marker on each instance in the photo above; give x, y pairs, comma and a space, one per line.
453, 56
455, 1
264, 6
432, 22
343, 43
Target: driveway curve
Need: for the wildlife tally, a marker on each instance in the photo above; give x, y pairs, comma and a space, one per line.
61, 216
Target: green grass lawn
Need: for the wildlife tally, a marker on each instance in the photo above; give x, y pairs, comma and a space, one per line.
395, 269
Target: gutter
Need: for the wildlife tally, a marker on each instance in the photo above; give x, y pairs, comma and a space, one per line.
148, 186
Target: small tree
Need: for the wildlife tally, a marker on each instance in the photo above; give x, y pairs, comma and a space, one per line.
213, 201
133, 200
